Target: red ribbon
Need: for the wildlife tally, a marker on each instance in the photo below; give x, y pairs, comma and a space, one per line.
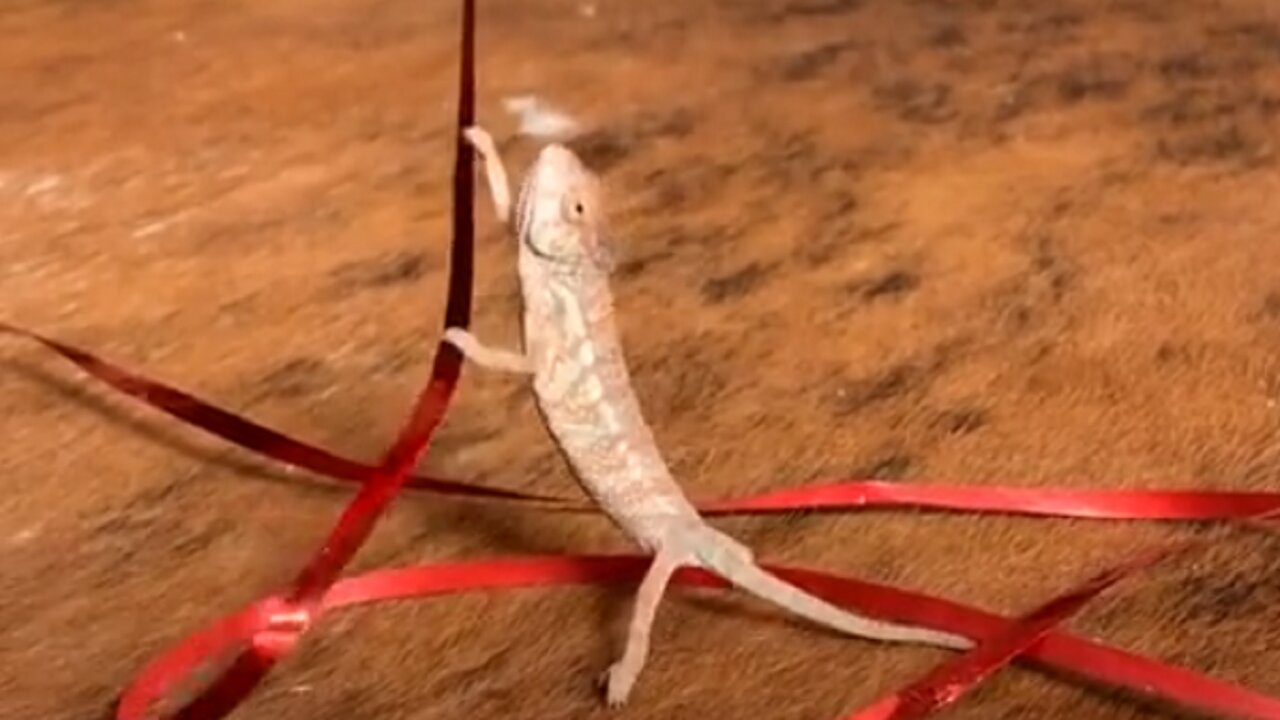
272, 629
838, 495
280, 622
1039, 644
247, 644
956, 677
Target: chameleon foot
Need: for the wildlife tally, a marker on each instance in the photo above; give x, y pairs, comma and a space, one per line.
617, 682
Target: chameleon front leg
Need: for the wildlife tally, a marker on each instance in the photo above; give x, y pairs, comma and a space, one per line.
495, 171
488, 357
500, 192
621, 676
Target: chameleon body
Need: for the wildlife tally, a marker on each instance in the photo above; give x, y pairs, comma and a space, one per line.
573, 352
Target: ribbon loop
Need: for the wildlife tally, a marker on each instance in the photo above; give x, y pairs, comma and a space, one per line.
283, 625
294, 620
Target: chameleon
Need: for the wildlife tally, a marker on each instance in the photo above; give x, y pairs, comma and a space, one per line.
571, 348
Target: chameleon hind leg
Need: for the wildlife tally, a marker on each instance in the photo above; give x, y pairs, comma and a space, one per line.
621, 676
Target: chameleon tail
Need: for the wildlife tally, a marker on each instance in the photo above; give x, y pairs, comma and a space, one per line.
734, 562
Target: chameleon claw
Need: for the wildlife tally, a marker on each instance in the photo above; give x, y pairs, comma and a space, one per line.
480, 139
458, 337
617, 683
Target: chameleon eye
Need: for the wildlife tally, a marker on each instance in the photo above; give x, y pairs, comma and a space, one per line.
574, 209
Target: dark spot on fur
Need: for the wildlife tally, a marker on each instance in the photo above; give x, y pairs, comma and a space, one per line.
962, 421
1148, 11
838, 205
736, 284
146, 523
670, 238
697, 385
238, 305
684, 380
139, 514
1046, 261
949, 6
1013, 304
912, 101
898, 282
948, 36
828, 243
1099, 77
1186, 66
1020, 317
693, 184
604, 148
1040, 26
675, 124
809, 63
1271, 305
893, 467
669, 190
1263, 36
1028, 297
1244, 591
601, 149
1014, 102
855, 396
1059, 20
832, 239
818, 8
191, 543
1060, 207
785, 160
1167, 353
1268, 311
1040, 352
1103, 78
634, 267
295, 378
394, 269
1229, 144
1187, 107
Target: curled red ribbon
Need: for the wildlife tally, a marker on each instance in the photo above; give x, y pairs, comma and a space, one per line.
948, 682
837, 495
280, 622
272, 631
1039, 644
247, 644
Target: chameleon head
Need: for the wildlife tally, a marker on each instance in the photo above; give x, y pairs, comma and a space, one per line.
559, 212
